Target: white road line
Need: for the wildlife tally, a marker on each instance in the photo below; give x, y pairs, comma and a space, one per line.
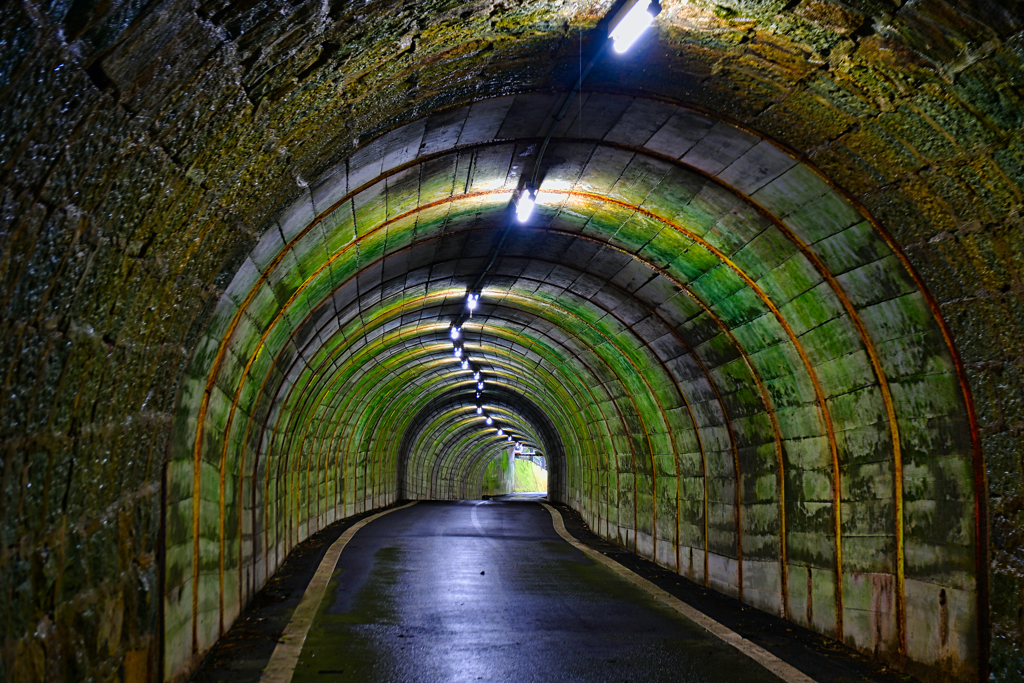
286, 655
758, 654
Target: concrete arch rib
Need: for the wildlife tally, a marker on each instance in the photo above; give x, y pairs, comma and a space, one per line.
697, 257
638, 375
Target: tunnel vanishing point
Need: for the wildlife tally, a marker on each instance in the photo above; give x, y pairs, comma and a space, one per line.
766, 321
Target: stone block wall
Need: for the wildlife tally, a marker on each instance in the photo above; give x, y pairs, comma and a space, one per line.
147, 148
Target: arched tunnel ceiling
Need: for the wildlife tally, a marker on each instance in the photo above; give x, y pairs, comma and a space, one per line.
722, 346
177, 262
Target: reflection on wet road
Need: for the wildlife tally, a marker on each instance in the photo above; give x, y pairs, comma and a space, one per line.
488, 591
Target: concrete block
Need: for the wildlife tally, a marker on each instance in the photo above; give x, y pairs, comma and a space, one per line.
178, 628
822, 217
800, 597
941, 625
364, 166
762, 585
243, 282
442, 130
723, 574
869, 611
330, 188
297, 216
267, 249
402, 145
522, 120
484, 120
791, 191
680, 133
722, 145
592, 121
641, 120
758, 166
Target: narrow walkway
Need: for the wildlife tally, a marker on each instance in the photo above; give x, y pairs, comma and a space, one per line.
487, 590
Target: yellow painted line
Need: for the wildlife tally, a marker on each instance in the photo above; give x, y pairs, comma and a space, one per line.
766, 659
286, 654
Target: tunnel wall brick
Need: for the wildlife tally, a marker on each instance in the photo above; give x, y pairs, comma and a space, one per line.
127, 203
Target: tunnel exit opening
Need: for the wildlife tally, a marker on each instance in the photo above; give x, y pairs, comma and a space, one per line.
530, 471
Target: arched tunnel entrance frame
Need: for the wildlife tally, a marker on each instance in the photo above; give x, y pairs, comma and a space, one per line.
979, 498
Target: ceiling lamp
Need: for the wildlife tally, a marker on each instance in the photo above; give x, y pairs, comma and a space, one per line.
476, 375
480, 386
630, 21
500, 432
479, 410
455, 332
525, 205
471, 301
458, 352
465, 364
489, 420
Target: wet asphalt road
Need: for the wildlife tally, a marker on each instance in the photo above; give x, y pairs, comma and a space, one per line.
483, 590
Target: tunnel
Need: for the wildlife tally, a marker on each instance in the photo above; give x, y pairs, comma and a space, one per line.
263, 272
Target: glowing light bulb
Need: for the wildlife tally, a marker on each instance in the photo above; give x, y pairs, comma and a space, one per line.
479, 410
509, 438
465, 364
630, 22
476, 375
480, 386
489, 420
500, 432
471, 301
455, 332
524, 208
458, 352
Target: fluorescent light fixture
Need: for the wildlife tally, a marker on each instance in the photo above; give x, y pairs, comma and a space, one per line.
479, 410
455, 332
630, 21
471, 301
489, 420
524, 207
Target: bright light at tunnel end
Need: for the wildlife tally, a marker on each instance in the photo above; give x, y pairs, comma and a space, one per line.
632, 20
